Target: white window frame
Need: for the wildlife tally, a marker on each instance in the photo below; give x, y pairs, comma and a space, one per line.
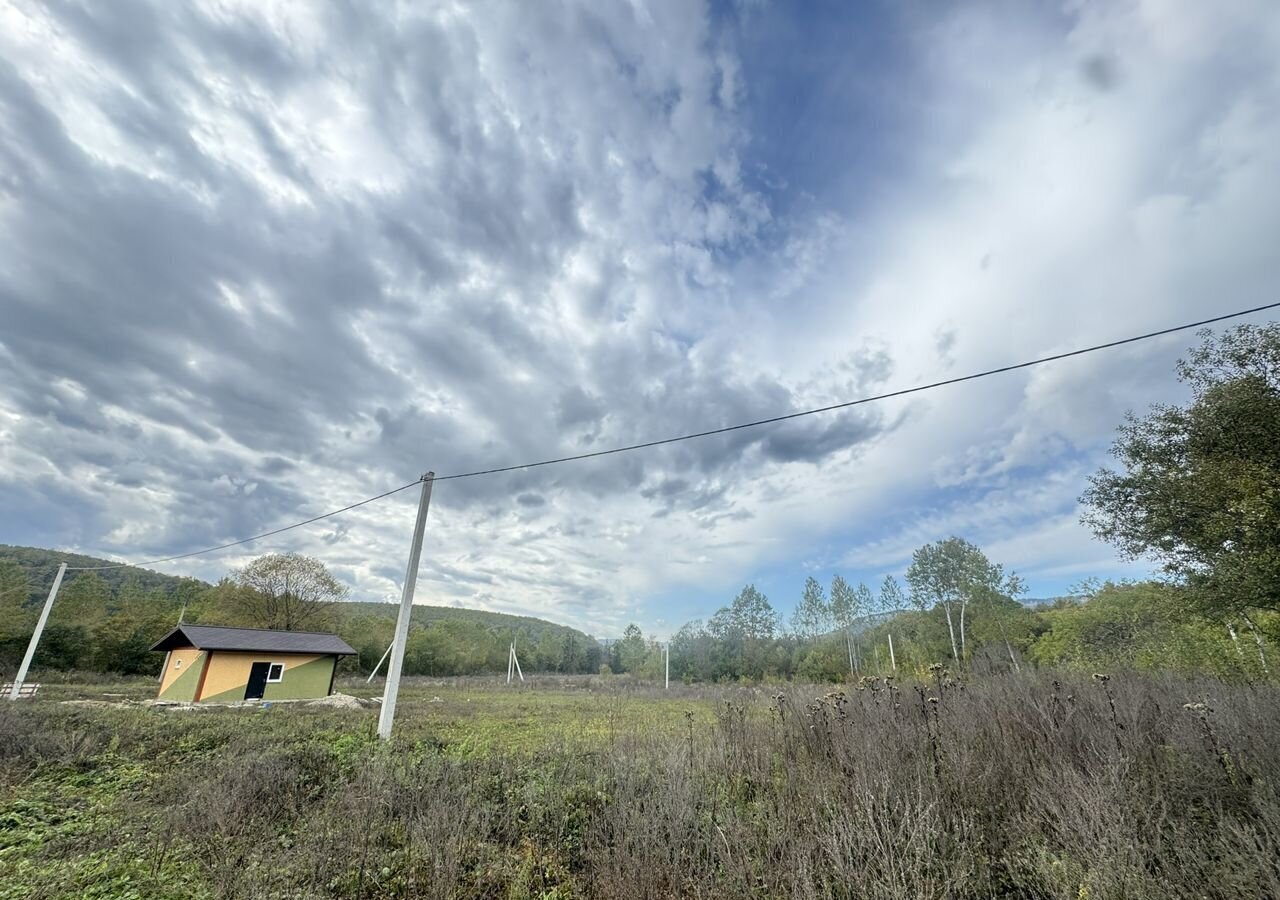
279, 678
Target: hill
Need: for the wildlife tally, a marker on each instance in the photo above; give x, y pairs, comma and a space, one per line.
443, 640
452, 640
41, 565
426, 615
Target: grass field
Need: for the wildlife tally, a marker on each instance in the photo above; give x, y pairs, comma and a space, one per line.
1004, 787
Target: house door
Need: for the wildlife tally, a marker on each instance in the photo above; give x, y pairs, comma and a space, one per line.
257, 681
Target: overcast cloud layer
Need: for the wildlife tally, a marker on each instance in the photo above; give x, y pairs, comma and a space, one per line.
258, 261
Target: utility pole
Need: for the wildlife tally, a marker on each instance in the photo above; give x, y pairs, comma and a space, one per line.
387, 714
511, 661
516, 661
35, 636
893, 660
369, 680
666, 658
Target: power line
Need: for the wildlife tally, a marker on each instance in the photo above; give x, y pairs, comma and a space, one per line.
891, 394
256, 537
710, 432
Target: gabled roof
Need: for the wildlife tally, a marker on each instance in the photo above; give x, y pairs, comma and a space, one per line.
261, 640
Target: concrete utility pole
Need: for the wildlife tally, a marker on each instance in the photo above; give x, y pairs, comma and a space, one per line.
893, 660
387, 714
369, 680
515, 661
666, 659
35, 636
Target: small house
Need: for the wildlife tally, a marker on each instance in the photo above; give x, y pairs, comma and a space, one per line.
217, 664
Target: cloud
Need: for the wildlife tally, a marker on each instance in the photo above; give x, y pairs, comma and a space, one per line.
257, 262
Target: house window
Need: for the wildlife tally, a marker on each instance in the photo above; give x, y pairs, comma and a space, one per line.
275, 672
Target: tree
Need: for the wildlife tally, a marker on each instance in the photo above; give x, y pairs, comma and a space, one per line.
864, 600
84, 603
743, 632
16, 617
1145, 625
754, 615
844, 603
286, 591
845, 610
890, 602
813, 614
952, 574
693, 653
1198, 486
1005, 619
892, 599
629, 653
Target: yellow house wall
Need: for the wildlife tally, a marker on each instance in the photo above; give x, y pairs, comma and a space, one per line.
229, 670
180, 661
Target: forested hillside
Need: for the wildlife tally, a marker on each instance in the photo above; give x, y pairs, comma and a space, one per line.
41, 565
108, 619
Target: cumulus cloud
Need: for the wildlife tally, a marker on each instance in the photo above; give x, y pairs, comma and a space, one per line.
262, 260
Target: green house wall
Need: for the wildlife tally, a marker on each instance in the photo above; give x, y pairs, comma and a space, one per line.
183, 688
305, 682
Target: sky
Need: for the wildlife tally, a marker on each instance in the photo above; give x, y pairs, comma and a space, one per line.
262, 260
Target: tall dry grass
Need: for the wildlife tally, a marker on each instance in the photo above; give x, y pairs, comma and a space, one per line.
1019, 786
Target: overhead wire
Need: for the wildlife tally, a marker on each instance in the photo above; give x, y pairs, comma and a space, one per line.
849, 403
256, 537
707, 433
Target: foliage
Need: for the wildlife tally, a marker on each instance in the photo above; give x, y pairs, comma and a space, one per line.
844, 603
17, 617
812, 615
1198, 486
1141, 626
108, 621
628, 654
285, 591
892, 599
1146, 625
952, 574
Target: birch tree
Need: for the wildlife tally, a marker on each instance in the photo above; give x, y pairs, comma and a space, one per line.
812, 616
845, 610
952, 574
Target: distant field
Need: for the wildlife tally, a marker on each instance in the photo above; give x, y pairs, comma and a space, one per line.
595, 787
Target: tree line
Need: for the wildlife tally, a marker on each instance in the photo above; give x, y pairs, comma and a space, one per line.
109, 623
1195, 487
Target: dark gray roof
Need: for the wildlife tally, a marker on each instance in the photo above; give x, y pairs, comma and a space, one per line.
221, 637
